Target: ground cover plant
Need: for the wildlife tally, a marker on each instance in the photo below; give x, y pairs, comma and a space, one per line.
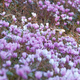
40, 40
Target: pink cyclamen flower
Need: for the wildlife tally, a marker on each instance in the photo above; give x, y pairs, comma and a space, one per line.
7, 4
3, 13
40, 3
70, 18
9, 1
8, 63
63, 71
58, 23
65, 23
78, 22
49, 74
14, 55
21, 73
78, 30
38, 74
56, 70
24, 54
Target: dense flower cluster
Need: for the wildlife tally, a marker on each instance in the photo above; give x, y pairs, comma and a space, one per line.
35, 45
35, 51
60, 11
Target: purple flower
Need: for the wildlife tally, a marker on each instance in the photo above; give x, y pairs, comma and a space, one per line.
71, 14
3, 75
21, 73
78, 22
70, 18
47, 2
57, 70
14, 55
26, 69
63, 71
7, 4
67, 58
9, 1
8, 63
40, 3
3, 54
49, 74
6, 24
58, 3
24, 54
38, 74
78, 30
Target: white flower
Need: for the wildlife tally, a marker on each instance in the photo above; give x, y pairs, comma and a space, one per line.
67, 17
47, 24
13, 16
63, 60
3, 13
24, 2
79, 10
71, 63
23, 19
33, 14
15, 26
51, 61
39, 59
76, 75
45, 52
48, 56
24, 27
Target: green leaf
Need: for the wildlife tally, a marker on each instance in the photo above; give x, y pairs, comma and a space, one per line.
31, 75
9, 73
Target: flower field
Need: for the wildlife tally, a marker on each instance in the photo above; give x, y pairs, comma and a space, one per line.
40, 40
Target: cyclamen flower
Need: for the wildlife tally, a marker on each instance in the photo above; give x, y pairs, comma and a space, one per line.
65, 23
26, 69
71, 63
21, 73
79, 49
3, 56
23, 19
58, 23
78, 22
9, 1
76, 75
51, 61
58, 3
3, 75
67, 10
67, 58
7, 4
14, 55
56, 70
8, 63
14, 18
63, 71
24, 54
63, 60
40, 3
71, 14
29, 18
33, 14
70, 18
49, 73
6, 24
38, 74
3, 13
47, 2
78, 30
